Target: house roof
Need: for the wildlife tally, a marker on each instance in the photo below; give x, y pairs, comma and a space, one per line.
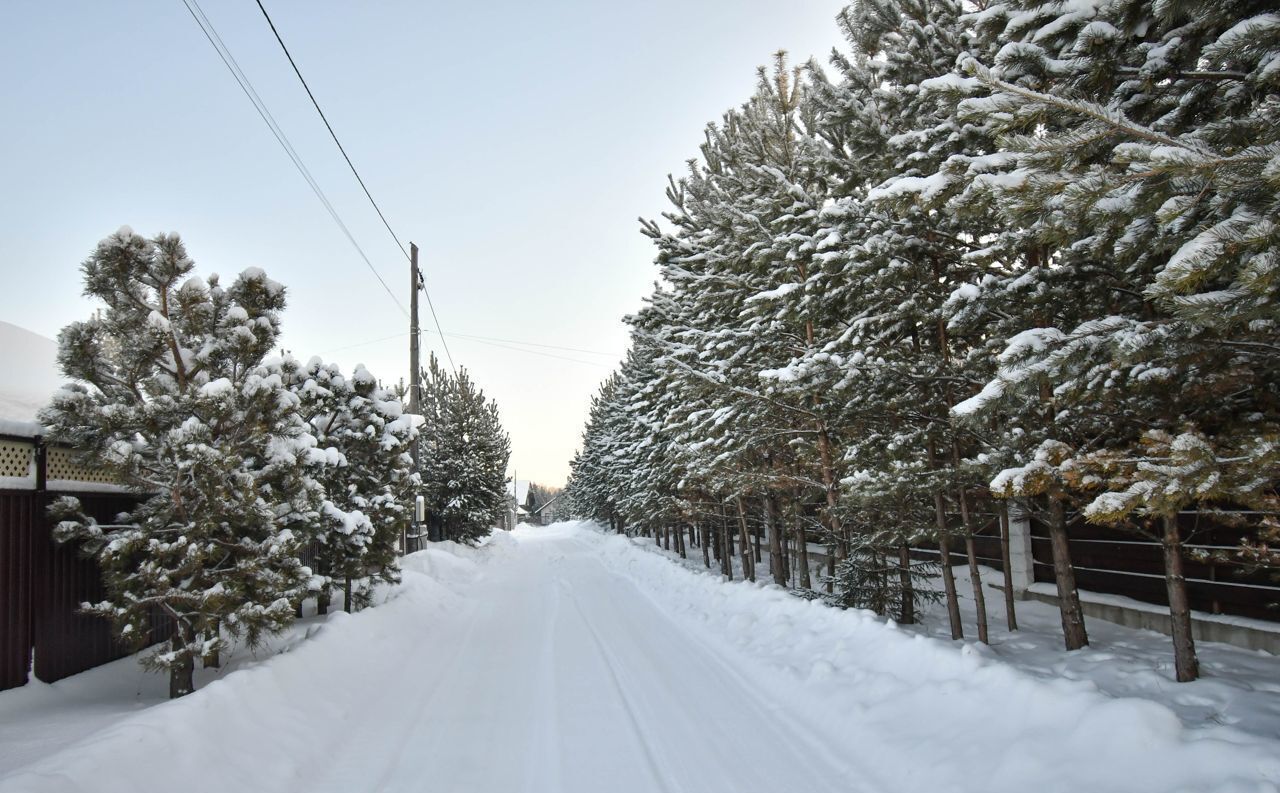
520, 489
28, 378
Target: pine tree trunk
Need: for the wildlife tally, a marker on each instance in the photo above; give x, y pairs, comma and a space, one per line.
948, 575
836, 545
702, 540
726, 538
744, 545
213, 659
346, 595
755, 541
679, 532
908, 614
1073, 630
322, 600
777, 562
1010, 614
786, 542
181, 680
1186, 664
975, 577
944, 555
802, 550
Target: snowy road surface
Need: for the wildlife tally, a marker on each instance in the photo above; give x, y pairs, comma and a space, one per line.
562, 676
568, 661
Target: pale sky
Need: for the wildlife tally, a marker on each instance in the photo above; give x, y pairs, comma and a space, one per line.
515, 142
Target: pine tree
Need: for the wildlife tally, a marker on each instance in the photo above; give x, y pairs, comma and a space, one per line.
1158, 172
170, 395
369, 482
463, 456
901, 255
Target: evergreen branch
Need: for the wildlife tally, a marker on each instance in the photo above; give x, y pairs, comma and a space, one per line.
1113, 118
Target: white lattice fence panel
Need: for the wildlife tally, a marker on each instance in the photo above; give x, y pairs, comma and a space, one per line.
62, 465
16, 457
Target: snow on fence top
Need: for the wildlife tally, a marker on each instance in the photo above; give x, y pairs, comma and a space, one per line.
24, 467
29, 362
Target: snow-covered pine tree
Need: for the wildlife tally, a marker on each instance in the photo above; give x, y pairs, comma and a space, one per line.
587, 488
369, 480
463, 456
901, 258
169, 394
738, 323
1159, 170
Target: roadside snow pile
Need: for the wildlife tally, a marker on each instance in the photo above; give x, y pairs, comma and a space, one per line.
880, 689
266, 718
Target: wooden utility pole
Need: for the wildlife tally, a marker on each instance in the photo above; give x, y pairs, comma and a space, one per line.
415, 369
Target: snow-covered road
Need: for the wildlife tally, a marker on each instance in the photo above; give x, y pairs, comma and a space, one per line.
561, 660
561, 675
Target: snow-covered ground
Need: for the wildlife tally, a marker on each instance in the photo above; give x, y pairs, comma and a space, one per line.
1238, 687
562, 659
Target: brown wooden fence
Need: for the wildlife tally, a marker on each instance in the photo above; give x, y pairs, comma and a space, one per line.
43, 583
16, 619
1131, 564
1118, 562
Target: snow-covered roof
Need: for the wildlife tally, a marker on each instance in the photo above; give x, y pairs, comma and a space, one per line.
28, 378
520, 489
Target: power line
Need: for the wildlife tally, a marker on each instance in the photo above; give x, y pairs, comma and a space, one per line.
229, 60
536, 352
534, 344
473, 337
365, 343
430, 304
493, 342
329, 127
436, 320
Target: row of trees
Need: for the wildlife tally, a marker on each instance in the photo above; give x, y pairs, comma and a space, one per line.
1020, 249
262, 481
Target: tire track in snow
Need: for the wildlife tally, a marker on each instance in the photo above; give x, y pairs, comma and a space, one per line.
549, 738
655, 769
371, 720
804, 739
803, 742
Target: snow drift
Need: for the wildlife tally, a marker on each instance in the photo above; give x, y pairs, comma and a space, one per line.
930, 715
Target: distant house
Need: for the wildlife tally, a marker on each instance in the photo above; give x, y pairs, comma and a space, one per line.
527, 503
519, 502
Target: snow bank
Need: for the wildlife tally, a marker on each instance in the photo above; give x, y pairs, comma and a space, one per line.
268, 718
970, 721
